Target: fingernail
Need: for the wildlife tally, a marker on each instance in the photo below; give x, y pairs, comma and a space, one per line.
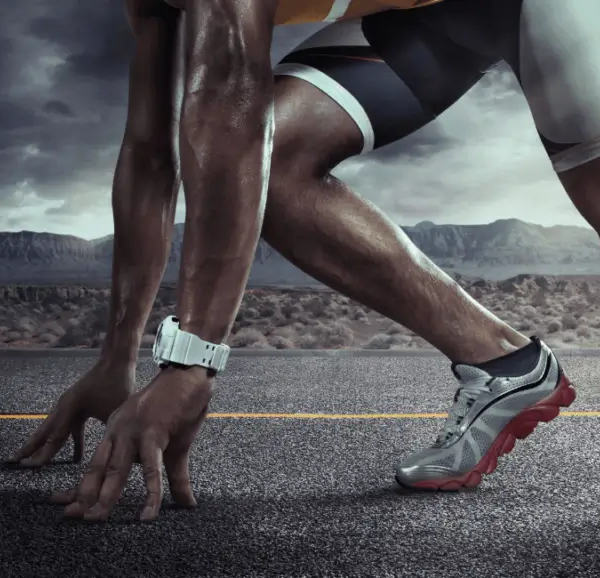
147, 514
96, 514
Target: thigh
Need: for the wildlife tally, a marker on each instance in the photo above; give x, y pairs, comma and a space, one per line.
392, 72
558, 65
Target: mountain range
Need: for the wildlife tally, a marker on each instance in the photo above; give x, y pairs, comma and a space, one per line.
493, 251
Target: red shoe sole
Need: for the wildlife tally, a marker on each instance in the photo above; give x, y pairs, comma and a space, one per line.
518, 428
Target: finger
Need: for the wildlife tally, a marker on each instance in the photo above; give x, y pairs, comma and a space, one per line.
78, 433
65, 497
54, 442
88, 489
177, 467
117, 472
34, 441
177, 459
152, 462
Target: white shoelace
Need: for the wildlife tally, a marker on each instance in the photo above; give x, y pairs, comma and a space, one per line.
464, 398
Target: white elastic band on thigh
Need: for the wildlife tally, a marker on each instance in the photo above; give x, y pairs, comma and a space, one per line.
337, 92
338, 9
576, 156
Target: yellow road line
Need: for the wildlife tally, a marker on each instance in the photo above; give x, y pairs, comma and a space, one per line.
234, 415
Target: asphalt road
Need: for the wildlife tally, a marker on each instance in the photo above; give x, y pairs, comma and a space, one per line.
313, 495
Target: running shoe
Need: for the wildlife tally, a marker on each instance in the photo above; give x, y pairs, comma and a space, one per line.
488, 415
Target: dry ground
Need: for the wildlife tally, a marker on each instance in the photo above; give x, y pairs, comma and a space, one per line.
564, 311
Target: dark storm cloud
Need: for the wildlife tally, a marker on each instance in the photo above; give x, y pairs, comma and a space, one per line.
57, 107
67, 60
17, 116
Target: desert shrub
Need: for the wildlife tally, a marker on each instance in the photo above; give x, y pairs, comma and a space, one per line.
285, 331
358, 314
279, 342
304, 320
333, 335
576, 305
291, 309
278, 320
26, 324
315, 307
569, 322
47, 338
250, 313
55, 328
73, 337
307, 341
98, 317
554, 325
524, 325
379, 341
529, 311
299, 328
418, 342
331, 313
401, 340
266, 310
96, 341
395, 329
540, 298
584, 331
247, 337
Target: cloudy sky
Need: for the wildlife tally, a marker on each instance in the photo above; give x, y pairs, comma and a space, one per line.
63, 88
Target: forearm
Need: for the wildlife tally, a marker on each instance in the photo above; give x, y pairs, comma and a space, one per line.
144, 199
225, 146
222, 228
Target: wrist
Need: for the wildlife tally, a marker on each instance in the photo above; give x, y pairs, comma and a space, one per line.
191, 378
195, 372
121, 349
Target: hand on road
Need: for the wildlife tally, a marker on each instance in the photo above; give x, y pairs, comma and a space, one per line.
95, 395
158, 424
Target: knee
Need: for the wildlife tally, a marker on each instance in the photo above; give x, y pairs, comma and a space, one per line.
312, 135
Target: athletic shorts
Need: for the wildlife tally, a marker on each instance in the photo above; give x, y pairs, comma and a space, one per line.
395, 71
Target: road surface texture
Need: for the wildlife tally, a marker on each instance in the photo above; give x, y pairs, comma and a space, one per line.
294, 474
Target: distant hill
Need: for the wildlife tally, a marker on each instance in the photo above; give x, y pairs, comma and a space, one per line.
494, 251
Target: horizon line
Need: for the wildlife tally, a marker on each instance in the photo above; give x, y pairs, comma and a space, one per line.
422, 222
